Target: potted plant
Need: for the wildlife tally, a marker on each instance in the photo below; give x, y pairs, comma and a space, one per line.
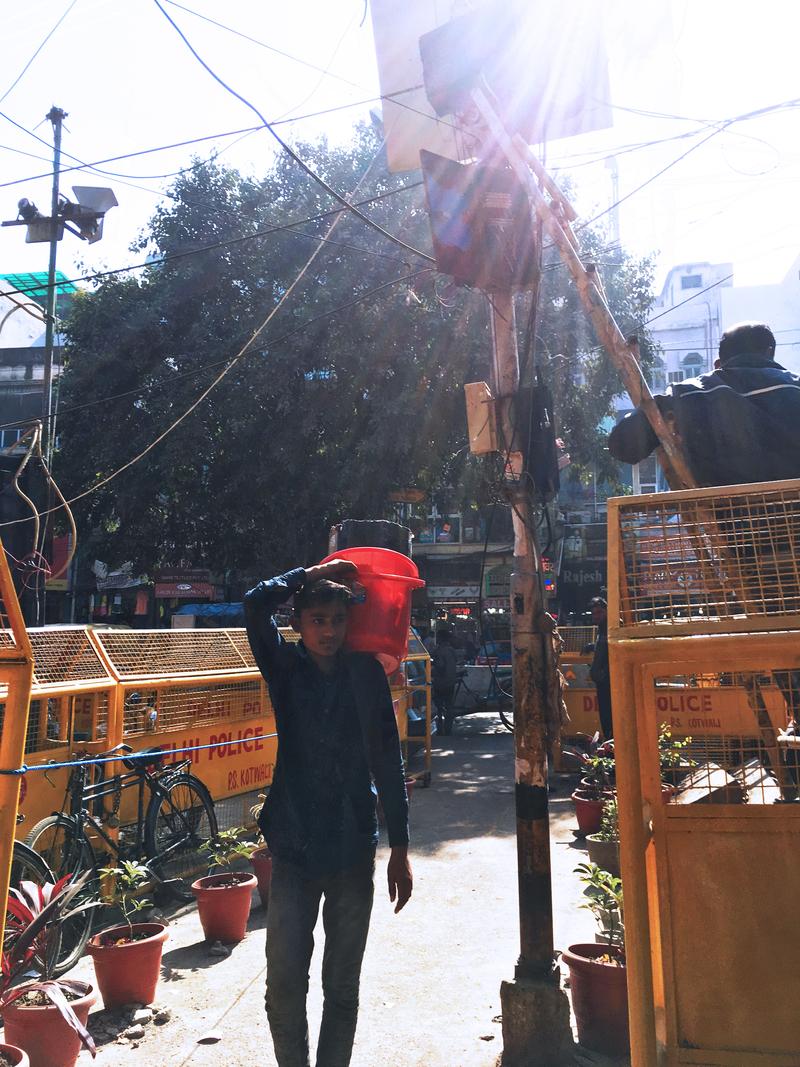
596, 783
223, 900
673, 759
604, 845
597, 973
10, 1056
261, 857
47, 1016
127, 958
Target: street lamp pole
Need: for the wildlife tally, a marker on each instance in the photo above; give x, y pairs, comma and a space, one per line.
56, 116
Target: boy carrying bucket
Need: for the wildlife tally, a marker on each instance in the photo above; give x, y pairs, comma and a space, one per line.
337, 745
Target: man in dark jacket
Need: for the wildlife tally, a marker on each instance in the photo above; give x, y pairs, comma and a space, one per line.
739, 424
337, 735
600, 671
444, 674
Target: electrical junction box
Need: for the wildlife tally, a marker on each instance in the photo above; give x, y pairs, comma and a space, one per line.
481, 418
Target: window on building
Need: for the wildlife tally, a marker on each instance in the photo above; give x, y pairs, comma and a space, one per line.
691, 281
645, 476
657, 374
692, 364
675, 376
9, 437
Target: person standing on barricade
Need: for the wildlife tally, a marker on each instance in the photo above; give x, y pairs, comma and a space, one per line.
738, 424
337, 735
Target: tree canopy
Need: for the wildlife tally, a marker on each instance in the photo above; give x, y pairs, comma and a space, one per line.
355, 387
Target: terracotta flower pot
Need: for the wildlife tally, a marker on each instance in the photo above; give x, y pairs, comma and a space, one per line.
16, 1056
261, 859
599, 993
46, 1036
224, 909
128, 973
588, 810
604, 853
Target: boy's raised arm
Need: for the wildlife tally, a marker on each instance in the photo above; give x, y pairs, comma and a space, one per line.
260, 604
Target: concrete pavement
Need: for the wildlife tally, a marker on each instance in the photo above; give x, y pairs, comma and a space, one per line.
431, 977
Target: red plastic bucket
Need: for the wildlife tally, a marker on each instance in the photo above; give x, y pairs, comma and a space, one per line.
380, 624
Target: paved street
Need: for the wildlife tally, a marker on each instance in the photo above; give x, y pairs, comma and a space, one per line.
431, 978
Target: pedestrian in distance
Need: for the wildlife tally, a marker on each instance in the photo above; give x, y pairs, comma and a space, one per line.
600, 671
338, 750
444, 670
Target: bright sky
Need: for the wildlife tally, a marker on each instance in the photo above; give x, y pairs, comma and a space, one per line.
129, 83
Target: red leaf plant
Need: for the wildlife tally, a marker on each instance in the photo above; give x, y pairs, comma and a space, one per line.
31, 945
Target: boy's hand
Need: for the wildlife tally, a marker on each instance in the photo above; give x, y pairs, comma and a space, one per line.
342, 570
401, 880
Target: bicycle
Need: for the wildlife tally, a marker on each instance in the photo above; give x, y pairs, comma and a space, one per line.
178, 820
496, 695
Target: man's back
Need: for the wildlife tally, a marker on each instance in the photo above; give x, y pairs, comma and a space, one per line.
739, 424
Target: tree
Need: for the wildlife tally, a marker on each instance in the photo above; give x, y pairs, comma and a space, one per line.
330, 409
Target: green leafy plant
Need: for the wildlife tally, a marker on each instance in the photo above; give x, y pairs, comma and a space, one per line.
227, 846
604, 899
255, 811
609, 824
598, 771
671, 751
31, 945
128, 879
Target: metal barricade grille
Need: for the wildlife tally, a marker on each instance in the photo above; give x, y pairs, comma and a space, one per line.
175, 652
64, 655
165, 709
576, 638
730, 742
710, 556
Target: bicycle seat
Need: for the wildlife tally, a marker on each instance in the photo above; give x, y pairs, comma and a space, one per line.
145, 757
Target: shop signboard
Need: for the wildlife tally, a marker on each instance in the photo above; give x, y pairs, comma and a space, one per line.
579, 581
453, 592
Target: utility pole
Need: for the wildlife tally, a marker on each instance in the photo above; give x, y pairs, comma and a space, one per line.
536, 1026
56, 116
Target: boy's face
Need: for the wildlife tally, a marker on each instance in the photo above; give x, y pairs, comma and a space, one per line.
323, 628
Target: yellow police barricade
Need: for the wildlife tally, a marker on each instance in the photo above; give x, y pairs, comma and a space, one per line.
704, 614
198, 694
16, 672
193, 693
71, 709
579, 695
411, 694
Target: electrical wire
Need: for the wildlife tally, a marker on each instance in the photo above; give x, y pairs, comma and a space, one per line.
230, 363
47, 37
170, 257
391, 97
288, 149
140, 389
262, 44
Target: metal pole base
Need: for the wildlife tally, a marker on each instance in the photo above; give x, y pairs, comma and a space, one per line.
536, 1026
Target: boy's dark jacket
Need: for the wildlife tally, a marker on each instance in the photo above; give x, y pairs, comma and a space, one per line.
280, 661
739, 424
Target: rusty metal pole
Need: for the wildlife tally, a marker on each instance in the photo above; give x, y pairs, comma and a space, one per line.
536, 1026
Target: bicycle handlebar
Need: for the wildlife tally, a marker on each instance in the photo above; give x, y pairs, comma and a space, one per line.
121, 747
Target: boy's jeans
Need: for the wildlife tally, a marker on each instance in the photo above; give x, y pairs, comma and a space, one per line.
291, 917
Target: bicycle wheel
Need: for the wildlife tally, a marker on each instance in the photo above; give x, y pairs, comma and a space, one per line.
65, 851
178, 822
26, 866
506, 712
